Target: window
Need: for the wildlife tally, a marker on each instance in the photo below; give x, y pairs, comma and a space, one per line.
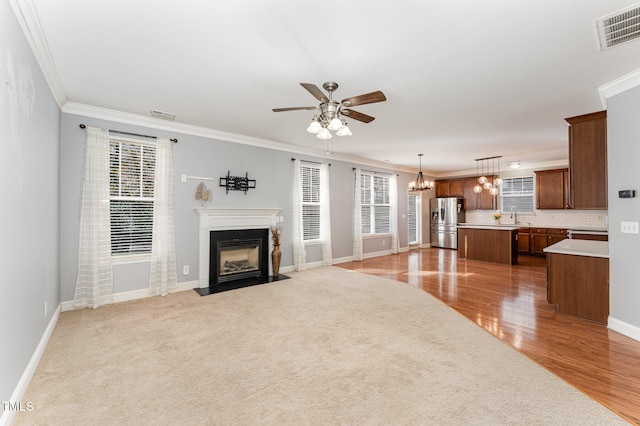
376, 207
518, 193
310, 202
131, 178
413, 217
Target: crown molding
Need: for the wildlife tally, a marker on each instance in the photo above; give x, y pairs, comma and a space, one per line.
619, 85
188, 129
28, 20
530, 166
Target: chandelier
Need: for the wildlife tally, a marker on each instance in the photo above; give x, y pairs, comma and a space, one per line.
420, 184
483, 181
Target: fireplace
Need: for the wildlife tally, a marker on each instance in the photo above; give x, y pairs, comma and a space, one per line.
238, 254
240, 223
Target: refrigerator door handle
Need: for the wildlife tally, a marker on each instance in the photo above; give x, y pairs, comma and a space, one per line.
442, 216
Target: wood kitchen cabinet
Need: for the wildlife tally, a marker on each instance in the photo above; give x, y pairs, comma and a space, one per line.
552, 189
556, 235
579, 286
481, 201
450, 188
538, 240
588, 161
524, 241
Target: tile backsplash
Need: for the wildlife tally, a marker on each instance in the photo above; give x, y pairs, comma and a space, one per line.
569, 219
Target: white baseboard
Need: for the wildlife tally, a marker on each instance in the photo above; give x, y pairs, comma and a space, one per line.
142, 293
624, 328
343, 259
8, 415
376, 254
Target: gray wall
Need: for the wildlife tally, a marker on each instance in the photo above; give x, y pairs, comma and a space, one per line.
29, 233
623, 140
199, 156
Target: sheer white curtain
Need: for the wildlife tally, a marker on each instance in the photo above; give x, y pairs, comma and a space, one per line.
162, 274
393, 212
94, 284
325, 215
357, 215
299, 253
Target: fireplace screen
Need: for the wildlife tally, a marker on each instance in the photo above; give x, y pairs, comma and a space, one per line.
239, 257
238, 254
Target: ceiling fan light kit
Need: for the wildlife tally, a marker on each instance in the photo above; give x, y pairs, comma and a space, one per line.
331, 111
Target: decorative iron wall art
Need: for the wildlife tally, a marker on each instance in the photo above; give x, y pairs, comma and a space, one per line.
237, 183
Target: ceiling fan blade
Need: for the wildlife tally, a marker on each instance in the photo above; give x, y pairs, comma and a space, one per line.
292, 109
315, 91
368, 98
357, 115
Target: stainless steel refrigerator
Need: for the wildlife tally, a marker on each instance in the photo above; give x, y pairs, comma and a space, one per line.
445, 214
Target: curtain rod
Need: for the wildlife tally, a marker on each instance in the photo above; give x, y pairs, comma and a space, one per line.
307, 161
373, 171
82, 126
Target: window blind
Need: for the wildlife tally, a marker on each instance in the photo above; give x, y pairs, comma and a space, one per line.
376, 207
518, 193
310, 202
131, 182
412, 216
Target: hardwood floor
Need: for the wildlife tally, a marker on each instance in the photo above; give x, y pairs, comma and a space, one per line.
510, 303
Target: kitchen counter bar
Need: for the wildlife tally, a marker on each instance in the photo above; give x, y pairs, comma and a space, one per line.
580, 248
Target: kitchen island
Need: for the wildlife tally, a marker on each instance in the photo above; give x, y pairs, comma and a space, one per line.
578, 278
489, 243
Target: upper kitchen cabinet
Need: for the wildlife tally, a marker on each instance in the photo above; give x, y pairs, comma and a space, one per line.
588, 161
481, 201
552, 189
449, 188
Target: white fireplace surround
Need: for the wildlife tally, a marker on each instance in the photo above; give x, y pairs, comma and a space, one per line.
225, 220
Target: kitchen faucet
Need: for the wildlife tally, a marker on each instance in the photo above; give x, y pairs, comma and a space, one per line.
514, 215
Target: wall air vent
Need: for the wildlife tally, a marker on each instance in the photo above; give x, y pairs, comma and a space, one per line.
163, 115
619, 27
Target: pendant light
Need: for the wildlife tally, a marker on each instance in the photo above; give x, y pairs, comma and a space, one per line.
477, 189
420, 184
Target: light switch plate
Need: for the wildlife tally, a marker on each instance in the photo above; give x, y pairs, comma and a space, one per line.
629, 227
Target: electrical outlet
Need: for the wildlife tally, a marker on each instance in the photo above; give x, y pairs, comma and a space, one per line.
629, 227
185, 270
183, 178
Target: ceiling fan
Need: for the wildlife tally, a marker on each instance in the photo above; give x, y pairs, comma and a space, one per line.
331, 111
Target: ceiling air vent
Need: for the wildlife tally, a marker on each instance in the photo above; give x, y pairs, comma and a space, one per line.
619, 27
163, 115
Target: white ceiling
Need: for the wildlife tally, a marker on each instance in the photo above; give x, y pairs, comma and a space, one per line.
463, 79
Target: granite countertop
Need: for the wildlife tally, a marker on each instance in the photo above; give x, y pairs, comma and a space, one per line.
580, 248
499, 227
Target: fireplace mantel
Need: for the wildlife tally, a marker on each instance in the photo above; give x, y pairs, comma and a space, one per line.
226, 219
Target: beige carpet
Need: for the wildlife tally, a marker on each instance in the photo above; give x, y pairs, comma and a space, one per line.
328, 346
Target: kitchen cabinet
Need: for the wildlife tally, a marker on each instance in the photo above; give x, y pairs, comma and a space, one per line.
470, 197
552, 189
480, 201
538, 240
556, 235
588, 161
488, 243
524, 240
450, 188
578, 279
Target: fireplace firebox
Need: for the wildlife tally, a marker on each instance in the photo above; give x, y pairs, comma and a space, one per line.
237, 255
